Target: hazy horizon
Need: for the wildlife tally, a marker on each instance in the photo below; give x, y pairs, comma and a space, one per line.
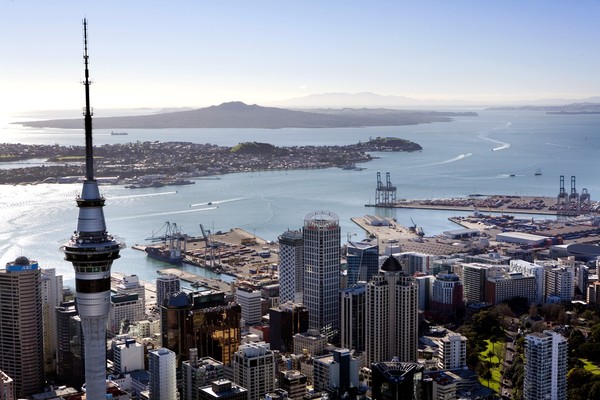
198, 54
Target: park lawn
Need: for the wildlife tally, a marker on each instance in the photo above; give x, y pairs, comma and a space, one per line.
496, 360
589, 366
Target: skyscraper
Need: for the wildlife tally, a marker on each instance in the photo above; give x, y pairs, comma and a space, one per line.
92, 251
52, 296
392, 315
166, 284
321, 234
162, 369
291, 266
352, 332
363, 261
545, 366
254, 369
21, 329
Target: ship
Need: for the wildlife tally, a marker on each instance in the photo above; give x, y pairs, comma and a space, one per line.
115, 133
538, 172
172, 247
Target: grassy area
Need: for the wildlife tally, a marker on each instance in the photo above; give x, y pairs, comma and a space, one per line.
496, 359
589, 366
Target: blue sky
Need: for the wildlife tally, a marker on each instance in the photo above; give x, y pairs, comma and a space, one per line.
198, 53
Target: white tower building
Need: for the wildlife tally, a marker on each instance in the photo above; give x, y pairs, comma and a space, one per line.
545, 366
254, 369
163, 380
92, 251
321, 234
291, 266
249, 301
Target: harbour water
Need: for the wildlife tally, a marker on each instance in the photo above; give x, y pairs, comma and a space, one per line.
496, 152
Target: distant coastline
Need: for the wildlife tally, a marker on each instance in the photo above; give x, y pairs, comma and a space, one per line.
240, 115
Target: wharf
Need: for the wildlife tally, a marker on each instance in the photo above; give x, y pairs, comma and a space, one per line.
208, 283
492, 203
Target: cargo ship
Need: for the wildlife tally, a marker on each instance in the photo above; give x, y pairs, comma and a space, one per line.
173, 247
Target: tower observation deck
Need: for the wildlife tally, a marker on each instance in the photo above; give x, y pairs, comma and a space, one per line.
92, 251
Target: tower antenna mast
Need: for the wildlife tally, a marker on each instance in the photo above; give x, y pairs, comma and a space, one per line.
89, 152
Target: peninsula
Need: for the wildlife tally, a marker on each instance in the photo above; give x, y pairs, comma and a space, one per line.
177, 160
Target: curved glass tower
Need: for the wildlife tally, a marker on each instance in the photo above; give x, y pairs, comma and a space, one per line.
92, 251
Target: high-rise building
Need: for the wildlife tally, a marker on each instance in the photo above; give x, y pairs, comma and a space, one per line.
254, 369
452, 351
92, 251
202, 320
166, 285
474, 277
392, 315
294, 383
447, 295
128, 355
52, 296
559, 284
249, 300
21, 327
7, 387
425, 286
131, 285
223, 389
127, 308
284, 322
362, 261
545, 375
198, 372
353, 317
531, 269
162, 369
321, 234
291, 266
509, 285
413, 262
335, 373
312, 342
70, 356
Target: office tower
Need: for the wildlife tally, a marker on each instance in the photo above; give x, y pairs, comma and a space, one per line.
166, 285
124, 309
336, 372
321, 234
70, 354
223, 389
270, 296
128, 355
531, 269
162, 368
254, 369
509, 285
362, 260
291, 266
21, 327
284, 322
395, 380
416, 262
7, 387
202, 320
559, 284
92, 251
52, 286
131, 285
452, 351
198, 372
545, 375
294, 383
581, 281
424, 285
353, 318
392, 315
474, 278
447, 295
249, 300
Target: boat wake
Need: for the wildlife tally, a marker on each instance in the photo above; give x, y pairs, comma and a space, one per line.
165, 213
133, 196
503, 145
217, 202
457, 158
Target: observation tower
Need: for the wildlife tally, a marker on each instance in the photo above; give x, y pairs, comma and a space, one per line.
92, 251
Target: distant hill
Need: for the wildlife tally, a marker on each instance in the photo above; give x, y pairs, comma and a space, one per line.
240, 115
573, 108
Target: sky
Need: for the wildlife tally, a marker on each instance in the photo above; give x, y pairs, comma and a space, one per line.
200, 53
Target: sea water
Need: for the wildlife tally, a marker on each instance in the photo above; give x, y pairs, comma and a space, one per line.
497, 152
